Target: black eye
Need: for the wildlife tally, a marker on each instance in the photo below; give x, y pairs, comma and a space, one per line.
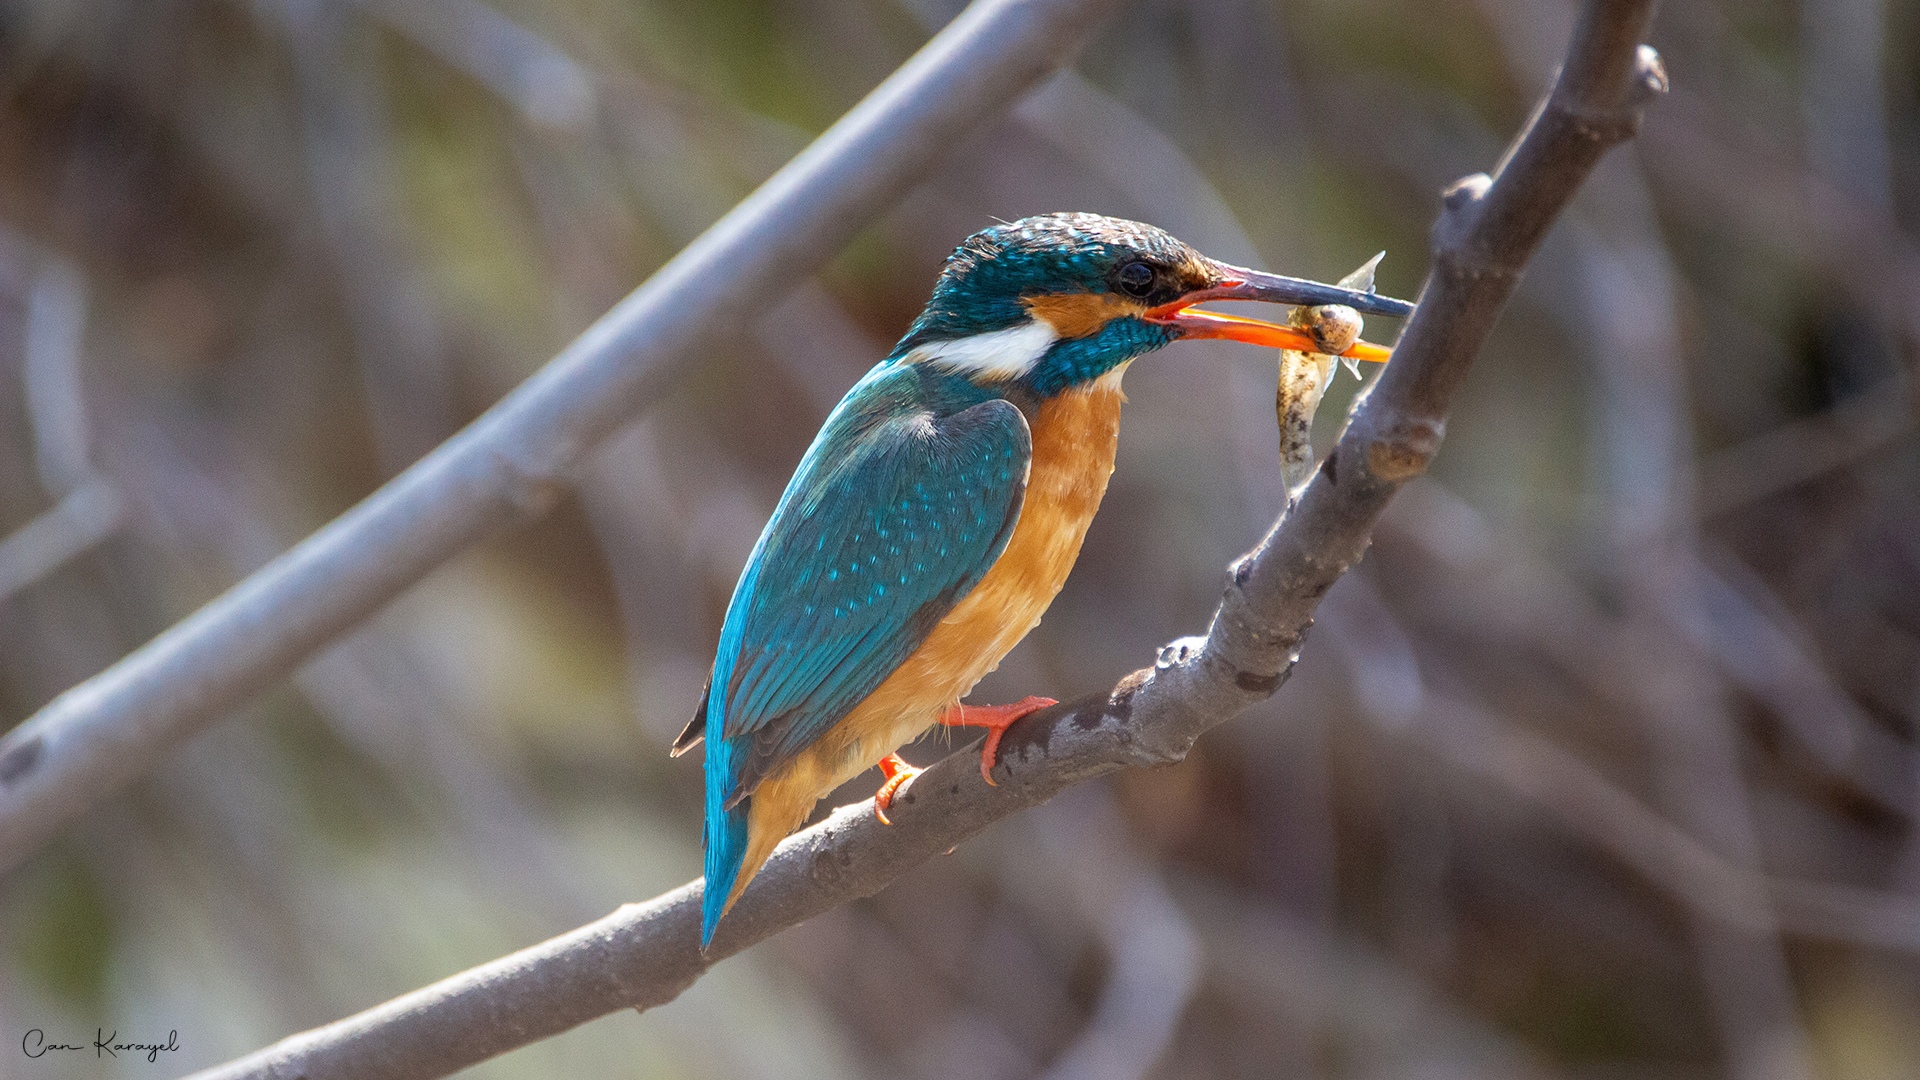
1135, 279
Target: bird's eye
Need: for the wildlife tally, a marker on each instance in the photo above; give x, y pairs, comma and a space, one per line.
1136, 279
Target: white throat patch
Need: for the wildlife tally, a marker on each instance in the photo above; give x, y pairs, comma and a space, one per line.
998, 354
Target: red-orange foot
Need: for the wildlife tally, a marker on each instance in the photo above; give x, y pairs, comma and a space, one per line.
996, 719
899, 774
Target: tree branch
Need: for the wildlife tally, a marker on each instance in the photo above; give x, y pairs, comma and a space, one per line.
512, 462
645, 954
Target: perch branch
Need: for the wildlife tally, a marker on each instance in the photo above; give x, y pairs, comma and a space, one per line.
645, 954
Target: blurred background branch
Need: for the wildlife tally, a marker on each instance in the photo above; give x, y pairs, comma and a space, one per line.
88, 509
509, 464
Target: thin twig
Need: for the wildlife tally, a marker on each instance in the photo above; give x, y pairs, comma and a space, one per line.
1540, 771
1550, 777
1387, 1019
646, 954
512, 463
1783, 458
56, 323
1154, 953
90, 509
89, 514
1544, 606
348, 149
543, 83
1646, 449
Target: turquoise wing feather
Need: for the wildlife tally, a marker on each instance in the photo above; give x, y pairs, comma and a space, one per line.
905, 499
896, 512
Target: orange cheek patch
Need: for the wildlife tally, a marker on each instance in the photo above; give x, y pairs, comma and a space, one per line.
1078, 315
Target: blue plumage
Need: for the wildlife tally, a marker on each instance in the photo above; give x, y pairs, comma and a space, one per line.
988, 276
904, 500
1081, 360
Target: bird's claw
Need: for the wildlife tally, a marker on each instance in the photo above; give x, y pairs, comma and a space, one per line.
899, 774
996, 719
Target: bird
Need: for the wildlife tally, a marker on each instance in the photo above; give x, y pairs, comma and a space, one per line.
939, 510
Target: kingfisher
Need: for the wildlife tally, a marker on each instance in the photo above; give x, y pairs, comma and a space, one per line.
940, 509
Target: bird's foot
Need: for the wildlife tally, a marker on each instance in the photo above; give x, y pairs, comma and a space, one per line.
996, 719
899, 774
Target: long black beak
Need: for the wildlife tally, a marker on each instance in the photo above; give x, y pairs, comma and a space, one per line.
1244, 284
1239, 283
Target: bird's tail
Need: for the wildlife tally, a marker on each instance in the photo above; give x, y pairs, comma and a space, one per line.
726, 836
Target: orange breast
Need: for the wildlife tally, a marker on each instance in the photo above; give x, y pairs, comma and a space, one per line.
1075, 435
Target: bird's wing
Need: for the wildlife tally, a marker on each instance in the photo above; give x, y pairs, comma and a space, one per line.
887, 525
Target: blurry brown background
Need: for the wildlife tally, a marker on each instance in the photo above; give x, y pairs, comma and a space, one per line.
1602, 765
